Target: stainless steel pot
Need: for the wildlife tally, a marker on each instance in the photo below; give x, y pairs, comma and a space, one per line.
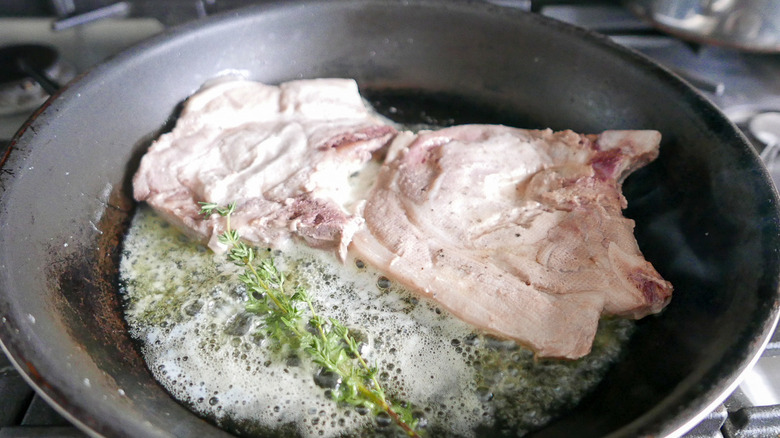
752, 25
706, 211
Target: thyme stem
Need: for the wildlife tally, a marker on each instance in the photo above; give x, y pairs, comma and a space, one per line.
325, 349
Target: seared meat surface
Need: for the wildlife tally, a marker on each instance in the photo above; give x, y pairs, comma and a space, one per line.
518, 232
283, 154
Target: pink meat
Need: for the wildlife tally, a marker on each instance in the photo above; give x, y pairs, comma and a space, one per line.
283, 154
517, 232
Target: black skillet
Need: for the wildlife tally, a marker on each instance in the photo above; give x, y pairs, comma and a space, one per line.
706, 212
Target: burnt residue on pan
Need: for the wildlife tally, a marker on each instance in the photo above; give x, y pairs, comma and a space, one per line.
85, 284
87, 280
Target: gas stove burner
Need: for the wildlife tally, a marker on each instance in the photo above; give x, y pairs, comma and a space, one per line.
29, 74
765, 127
757, 121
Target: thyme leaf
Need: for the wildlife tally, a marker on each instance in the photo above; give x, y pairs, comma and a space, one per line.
290, 318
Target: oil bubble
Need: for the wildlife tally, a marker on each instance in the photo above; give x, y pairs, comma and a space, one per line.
383, 419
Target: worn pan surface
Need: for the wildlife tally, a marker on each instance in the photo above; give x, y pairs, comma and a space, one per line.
706, 213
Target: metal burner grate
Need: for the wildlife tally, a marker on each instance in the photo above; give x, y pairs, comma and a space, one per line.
24, 414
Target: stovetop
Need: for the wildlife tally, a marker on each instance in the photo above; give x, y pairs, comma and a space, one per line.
741, 84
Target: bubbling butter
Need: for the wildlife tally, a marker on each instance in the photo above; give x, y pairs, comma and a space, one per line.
185, 306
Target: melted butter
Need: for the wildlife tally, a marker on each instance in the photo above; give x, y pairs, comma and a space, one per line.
186, 307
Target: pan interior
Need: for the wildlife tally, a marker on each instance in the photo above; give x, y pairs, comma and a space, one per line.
706, 212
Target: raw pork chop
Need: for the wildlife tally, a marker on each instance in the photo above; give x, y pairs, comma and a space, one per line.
518, 232
283, 154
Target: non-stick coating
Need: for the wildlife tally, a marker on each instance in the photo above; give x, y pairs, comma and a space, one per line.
706, 212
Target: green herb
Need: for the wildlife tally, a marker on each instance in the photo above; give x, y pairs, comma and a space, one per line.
291, 319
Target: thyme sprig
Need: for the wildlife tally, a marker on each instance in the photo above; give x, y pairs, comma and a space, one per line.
291, 319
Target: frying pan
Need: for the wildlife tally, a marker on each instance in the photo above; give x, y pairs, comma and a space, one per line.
706, 213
